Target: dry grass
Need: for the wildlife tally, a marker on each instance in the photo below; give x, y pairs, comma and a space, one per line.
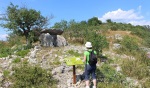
111, 36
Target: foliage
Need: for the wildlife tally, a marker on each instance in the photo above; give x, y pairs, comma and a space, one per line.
110, 74
74, 53
22, 20
108, 21
14, 39
22, 53
26, 76
63, 25
94, 21
35, 33
17, 60
109, 85
137, 68
146, 84
99, 41
114, 28
56, 62
75, 32
128, 45
4, 52
4, 49
146, 42
6, 73
109, 78
86, 31
29, 22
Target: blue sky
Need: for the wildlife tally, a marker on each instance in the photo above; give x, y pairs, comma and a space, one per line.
136, 12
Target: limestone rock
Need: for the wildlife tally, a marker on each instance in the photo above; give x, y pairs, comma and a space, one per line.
53, 31
52, 40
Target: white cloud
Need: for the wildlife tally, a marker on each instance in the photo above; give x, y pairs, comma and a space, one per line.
129, 16
140, 22
3, 36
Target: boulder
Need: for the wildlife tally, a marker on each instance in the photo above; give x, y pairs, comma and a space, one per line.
52, 40
61, 41
148, 54
53, 31
46, 39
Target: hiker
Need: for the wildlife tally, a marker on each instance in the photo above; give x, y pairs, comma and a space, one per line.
89, 69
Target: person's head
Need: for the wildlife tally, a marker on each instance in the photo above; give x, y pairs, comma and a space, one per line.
88, 45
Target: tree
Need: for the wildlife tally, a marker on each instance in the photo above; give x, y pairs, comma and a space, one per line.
99, 42
94, 21
22, 20
63, 25
109, 21
83, 23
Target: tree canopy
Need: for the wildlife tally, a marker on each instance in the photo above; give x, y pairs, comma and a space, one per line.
22, 20
94, 21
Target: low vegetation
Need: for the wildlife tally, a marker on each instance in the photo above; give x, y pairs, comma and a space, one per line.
136, 65
26, 76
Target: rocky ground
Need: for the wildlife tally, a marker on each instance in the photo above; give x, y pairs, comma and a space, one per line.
48, 57
53, 57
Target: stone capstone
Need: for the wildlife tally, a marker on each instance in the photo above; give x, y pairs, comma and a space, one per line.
53, 31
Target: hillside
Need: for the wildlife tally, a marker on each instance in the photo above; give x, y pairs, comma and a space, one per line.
53, 58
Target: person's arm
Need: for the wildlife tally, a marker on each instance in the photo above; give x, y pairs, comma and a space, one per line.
84, 59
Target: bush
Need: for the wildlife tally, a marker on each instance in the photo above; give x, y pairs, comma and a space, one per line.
114, 28
4, 50
99, 41
26, 76
22, 53
74, 53
110, 74
107, 77
109, 85
146, 84
129, 46
6, 73
138, 67
17, 60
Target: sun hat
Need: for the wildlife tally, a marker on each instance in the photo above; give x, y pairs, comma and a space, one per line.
88, 45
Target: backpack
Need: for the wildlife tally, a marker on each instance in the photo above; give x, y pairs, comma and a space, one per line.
92, 58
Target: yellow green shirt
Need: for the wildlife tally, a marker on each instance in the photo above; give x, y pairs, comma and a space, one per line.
87, 54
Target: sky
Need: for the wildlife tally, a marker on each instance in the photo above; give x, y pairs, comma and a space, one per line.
136, 12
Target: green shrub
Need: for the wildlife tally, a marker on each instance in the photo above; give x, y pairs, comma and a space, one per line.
22, 53
74, 53
107, 77
17, 60
110, 74
134, 68
130, 43
114, 28
137, 68
56, 62
99, 41
4, 50
129, 46
109, 85
6, 73
146, 84
26, 76
25, 61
